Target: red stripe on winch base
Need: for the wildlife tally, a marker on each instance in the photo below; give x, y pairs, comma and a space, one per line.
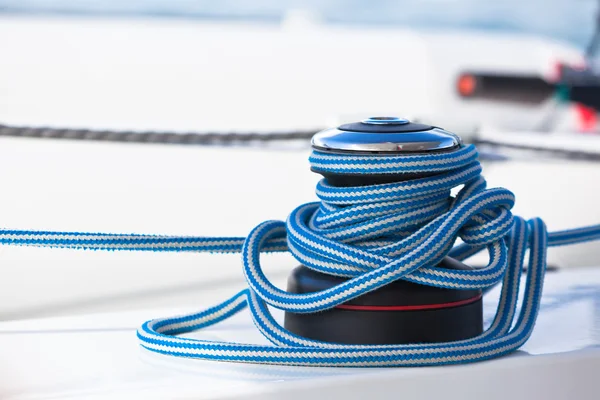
409, 308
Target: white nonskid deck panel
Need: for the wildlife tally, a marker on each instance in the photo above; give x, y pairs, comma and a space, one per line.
97, 356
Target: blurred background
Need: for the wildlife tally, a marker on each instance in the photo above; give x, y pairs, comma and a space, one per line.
289, 65
517, 78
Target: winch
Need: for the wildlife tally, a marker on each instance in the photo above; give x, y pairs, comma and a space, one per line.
401, 312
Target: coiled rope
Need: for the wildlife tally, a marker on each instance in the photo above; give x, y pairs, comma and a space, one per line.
373, 235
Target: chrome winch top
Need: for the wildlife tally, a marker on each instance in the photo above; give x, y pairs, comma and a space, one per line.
386, 135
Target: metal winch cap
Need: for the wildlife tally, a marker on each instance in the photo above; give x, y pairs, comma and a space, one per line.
385, 135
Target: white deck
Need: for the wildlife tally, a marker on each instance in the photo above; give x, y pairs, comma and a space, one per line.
96, 357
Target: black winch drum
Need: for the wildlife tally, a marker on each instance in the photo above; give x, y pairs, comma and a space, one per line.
400, 312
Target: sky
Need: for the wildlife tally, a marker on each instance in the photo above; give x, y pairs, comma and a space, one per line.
570, 20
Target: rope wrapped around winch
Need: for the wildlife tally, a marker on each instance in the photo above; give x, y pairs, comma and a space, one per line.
373, 235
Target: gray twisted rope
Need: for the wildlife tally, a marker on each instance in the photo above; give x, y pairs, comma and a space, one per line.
231, 138
187, 138
562, 153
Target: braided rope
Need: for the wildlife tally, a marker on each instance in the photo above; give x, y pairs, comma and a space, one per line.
373, 235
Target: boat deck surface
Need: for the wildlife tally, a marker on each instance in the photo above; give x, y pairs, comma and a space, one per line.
97, 356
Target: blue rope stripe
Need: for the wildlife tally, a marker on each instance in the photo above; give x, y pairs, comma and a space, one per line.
372, 235
106, 241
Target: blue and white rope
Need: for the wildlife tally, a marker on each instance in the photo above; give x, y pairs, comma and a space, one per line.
373, 235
